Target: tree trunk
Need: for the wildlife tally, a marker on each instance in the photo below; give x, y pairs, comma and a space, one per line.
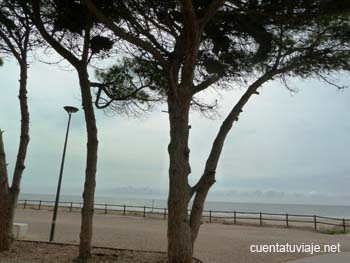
180, 247
7, 211
24, 137
206, 181
90, 172
5, 229
9, 196
5, 222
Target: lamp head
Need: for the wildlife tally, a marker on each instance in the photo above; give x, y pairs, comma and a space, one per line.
70, 109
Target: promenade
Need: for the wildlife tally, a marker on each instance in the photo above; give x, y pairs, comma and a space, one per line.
217, 243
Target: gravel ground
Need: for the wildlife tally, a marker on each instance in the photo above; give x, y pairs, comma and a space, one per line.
37, 252
216, 243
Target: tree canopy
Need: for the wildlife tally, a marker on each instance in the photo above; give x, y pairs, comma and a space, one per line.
242, 40
187, 46
173, 50
70, 26
18, 35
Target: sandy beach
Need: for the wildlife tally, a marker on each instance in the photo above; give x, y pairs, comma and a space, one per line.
216, 242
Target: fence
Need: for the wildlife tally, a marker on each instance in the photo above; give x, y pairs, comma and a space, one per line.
210, 216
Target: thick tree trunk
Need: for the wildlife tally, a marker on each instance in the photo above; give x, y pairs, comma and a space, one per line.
5, 229
9, 196
7, 211
179, 233
90, 172
5, 222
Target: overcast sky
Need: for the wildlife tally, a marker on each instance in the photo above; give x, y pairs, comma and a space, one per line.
285, 148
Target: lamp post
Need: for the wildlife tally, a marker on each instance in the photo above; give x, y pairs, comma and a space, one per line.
69, 110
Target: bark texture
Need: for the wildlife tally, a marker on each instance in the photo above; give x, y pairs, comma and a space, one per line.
90, 172
179, 235
5, 228
7, 210
5, 223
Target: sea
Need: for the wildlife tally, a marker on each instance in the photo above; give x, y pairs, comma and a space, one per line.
338, 211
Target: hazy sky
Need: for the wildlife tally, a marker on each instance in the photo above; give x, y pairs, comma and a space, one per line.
285, 148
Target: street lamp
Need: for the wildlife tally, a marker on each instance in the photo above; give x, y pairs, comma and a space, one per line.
69, 110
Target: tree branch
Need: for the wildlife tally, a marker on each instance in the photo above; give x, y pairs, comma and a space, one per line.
56, 45
125, 36
330, 82
210, 11
102, 87
189, 14
146, 32
206, 83
86, 44
208, 178
10, 46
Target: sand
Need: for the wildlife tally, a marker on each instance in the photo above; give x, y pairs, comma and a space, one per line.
216, 242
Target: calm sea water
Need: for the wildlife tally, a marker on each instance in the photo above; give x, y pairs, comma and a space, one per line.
321, 210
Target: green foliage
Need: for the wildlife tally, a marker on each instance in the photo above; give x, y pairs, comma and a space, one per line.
336, 230
132, 76
72, 15
72, 19
307, 38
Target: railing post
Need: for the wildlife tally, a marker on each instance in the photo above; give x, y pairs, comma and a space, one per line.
210, 216
25, 204
260, 219
71, 207
164, 213
315, 222
144, 211
234, 217
105, 209
124, 211
39, 204
287, 220
344, 225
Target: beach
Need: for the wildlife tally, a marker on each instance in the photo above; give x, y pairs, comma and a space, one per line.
217, 242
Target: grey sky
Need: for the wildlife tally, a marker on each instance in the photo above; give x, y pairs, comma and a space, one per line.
286, 147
